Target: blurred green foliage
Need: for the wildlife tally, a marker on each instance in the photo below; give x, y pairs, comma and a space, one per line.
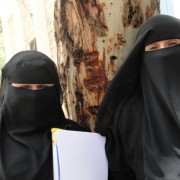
2, 49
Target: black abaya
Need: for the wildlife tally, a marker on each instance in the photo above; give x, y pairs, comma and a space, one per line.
140, 112
27, 116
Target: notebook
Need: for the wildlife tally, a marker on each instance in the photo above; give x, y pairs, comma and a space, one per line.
79, 155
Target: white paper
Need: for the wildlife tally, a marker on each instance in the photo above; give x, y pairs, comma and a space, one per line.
79, 156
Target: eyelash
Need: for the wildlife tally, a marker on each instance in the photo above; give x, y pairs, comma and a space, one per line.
153, 47
172, 43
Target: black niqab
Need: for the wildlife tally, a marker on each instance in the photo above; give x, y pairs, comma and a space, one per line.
27, 117
140, 112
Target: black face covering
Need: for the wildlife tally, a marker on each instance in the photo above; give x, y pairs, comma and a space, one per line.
160, 78
37, 108
140, 112
27, 117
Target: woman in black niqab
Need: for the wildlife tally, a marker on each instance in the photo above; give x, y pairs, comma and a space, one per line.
140, 112
27, 116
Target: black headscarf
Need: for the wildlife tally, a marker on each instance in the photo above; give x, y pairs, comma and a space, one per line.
27, 116
140, 112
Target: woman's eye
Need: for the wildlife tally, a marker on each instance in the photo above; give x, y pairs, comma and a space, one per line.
41, 87
23, 86
32, 86
27, 87
172, 44
153, 47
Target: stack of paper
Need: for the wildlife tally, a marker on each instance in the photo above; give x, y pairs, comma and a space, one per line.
79, 156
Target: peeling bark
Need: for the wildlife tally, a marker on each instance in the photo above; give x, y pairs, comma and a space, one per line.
133, 14
93, 36
152, 7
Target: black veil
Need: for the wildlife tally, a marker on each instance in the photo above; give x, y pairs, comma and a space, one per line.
123, 116
27, 116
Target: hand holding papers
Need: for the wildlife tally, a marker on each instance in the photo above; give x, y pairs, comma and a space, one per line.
79, 156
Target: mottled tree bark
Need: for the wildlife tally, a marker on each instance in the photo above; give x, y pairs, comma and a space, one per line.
93, 37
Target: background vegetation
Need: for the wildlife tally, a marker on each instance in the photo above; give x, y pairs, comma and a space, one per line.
2, 49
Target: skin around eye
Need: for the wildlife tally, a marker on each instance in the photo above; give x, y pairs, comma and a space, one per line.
173, 42
152, 47
32, 86
162, 44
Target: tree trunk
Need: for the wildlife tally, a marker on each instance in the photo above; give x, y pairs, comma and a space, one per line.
93, 37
